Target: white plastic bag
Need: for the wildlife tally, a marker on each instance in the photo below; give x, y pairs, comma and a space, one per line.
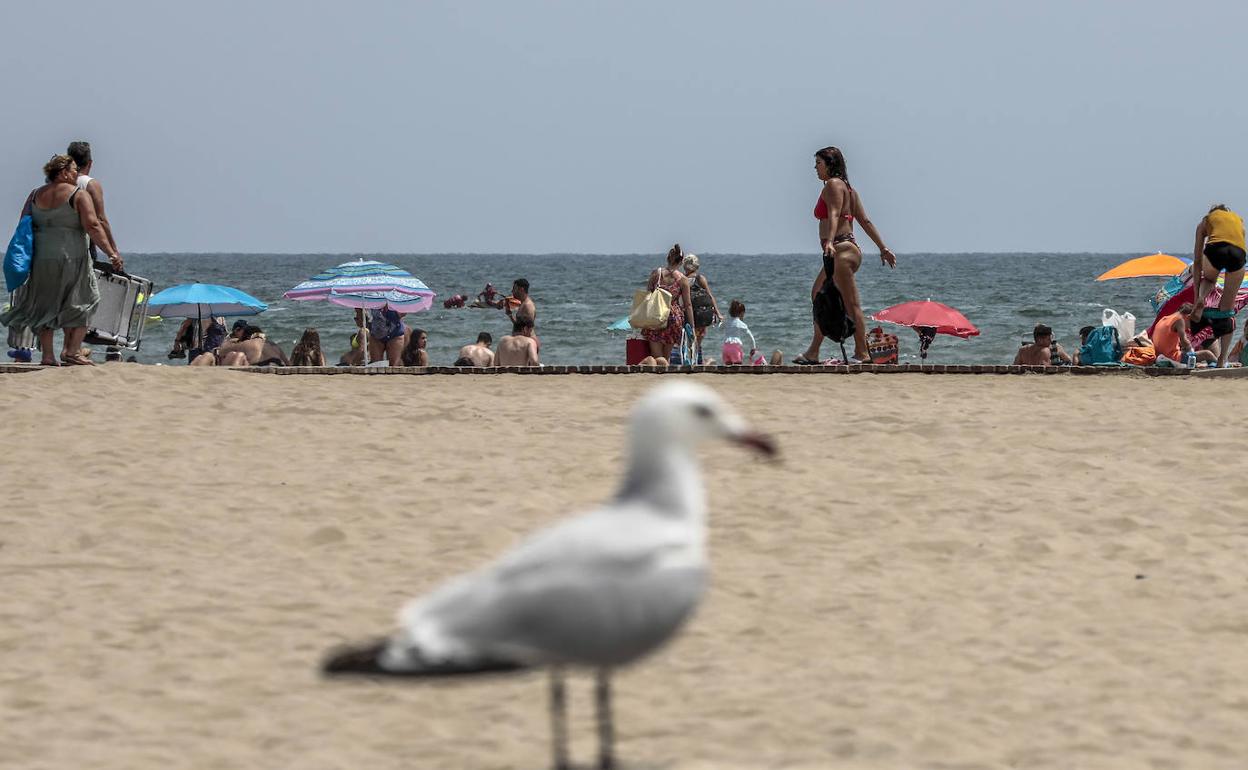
1126, 330
1125, 323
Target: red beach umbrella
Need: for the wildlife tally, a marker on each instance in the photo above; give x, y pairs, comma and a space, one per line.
928, 318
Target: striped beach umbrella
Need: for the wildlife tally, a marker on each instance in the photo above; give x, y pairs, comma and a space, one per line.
368, 284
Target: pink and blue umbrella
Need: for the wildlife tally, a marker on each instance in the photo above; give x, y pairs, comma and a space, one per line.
367, 284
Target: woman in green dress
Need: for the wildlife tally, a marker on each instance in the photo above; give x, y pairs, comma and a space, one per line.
61, 292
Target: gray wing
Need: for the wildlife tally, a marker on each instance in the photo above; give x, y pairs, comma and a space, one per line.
602, 589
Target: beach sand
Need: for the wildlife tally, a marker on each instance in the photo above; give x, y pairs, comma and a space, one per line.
943, 571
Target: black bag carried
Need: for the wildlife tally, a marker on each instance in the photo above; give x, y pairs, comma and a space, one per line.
830, 314
703, 310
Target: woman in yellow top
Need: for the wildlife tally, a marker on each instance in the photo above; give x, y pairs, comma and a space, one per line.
1219, 247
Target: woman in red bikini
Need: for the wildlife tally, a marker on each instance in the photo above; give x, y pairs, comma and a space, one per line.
836, 209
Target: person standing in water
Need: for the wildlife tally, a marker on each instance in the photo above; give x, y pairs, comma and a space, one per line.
837, 208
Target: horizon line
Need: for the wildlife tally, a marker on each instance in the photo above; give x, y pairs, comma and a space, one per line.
619, 254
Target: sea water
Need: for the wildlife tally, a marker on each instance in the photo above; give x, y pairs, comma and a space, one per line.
579, 295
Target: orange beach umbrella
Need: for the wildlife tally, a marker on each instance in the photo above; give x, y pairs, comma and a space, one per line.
1150, 266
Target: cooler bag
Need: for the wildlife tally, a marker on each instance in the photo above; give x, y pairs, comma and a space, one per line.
635, 350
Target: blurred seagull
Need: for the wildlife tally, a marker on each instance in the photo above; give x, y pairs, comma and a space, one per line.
599, 590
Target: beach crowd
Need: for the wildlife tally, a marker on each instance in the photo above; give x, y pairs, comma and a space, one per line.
674, 314
1195, 325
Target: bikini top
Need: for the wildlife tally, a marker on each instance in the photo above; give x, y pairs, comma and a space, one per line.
821, 208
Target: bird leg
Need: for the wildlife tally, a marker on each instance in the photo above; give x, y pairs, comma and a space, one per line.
559, 719
606, 731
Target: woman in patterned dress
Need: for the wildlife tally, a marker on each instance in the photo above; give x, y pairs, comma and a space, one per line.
671, 279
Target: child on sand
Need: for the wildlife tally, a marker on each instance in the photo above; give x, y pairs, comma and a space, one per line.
735, 334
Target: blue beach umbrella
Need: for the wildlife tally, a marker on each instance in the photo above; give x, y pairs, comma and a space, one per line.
196, 300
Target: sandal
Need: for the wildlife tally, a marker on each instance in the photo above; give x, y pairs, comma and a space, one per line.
49, 363
804, 361
76, 360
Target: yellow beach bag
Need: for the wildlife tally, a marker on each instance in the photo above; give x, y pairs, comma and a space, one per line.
650, 309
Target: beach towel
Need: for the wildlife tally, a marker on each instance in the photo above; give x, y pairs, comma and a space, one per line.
1139, 356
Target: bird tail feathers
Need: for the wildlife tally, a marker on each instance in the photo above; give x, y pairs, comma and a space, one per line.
366, 660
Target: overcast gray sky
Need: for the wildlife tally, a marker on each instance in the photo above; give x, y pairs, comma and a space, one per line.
608, 127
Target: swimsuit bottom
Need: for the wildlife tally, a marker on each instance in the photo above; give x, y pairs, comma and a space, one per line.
1221, 325
1225, 256
843, 237
391, 334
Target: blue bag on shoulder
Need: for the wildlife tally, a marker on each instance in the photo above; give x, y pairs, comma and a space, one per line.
1102, 347
21, 249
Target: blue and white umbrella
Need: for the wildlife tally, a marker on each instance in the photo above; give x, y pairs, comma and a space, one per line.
197, 300
368, 284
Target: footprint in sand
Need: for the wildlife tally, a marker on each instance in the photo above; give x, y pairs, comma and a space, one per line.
327, 536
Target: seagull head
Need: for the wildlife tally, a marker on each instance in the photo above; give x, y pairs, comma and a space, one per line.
687, 414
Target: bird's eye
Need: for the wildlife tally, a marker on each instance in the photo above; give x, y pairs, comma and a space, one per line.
703, 411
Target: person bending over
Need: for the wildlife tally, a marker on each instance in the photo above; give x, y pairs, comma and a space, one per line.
518, 348
1219, 248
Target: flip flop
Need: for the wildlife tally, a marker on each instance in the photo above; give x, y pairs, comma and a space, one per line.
49, 363
804, 361
77, 361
